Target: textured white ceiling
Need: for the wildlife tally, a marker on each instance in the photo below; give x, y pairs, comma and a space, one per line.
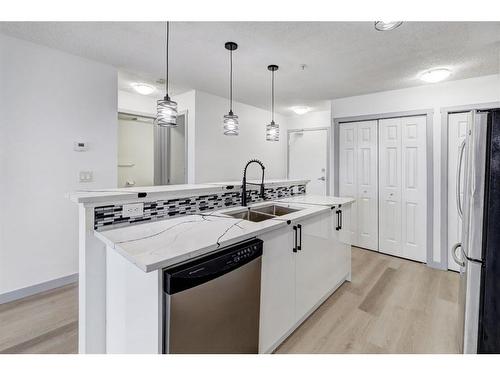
342, 58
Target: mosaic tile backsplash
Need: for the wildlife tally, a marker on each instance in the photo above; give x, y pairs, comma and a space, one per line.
110, 216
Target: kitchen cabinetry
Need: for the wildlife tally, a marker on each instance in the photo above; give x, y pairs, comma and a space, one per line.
302, 264
277, 298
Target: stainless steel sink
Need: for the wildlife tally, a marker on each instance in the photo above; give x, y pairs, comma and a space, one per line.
262, 213
275, 210
251, 215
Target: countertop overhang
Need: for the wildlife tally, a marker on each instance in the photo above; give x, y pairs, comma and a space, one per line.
168, 191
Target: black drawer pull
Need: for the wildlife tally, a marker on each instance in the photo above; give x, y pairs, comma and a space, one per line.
299, 247
295, 239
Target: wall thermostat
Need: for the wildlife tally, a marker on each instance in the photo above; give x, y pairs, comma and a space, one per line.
80, 146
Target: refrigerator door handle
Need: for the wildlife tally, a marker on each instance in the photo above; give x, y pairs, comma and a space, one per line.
460, 262
459, 179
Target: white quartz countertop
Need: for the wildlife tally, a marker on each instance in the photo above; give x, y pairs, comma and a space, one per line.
318, 200
155, 245
164, 191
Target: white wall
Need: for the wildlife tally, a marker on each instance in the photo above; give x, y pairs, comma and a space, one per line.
49, 100
316, 119
222, 158
435, 96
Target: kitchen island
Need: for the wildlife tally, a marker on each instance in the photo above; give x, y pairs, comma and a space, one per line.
129, 306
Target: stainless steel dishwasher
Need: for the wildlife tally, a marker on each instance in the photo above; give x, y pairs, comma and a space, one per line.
212, 303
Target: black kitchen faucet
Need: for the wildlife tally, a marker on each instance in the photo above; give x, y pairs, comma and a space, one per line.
245, 183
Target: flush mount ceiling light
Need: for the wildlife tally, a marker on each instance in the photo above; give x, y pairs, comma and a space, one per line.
231, 124
166, 109
435, 75
387, 25
143, 88
301, 109
272, 129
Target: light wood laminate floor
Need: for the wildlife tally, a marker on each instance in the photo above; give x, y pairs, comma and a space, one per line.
391, 306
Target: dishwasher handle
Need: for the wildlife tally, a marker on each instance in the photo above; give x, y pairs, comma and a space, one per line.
205, 268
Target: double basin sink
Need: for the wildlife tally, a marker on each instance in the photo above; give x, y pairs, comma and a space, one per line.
262, 213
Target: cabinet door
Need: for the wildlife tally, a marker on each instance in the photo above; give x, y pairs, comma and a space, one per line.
313, 264
348, 169
413, 188
277, 301
390, 186
367, 187
344, 234
340, 247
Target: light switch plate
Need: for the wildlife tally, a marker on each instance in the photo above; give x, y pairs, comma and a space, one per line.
133, 210
86, 176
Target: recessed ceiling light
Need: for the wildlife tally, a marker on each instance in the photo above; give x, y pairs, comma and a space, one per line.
301, 109
435, 75
143, 88
387, 25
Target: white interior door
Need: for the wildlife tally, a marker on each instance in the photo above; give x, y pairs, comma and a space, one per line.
390, 186
307, 158
348, 172
367, 187
457, 128
414, 188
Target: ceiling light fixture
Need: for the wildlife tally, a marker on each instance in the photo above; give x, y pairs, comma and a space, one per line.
231, 124
143, 88
387, 25
435, 75
272, 129
301, 109
166, 109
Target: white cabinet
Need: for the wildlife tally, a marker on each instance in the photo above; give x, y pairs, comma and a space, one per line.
277, 301
294, 283
358, 179
403, 187
313, 263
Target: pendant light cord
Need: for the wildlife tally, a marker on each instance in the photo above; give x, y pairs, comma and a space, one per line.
231, 81
272, 97
167, 32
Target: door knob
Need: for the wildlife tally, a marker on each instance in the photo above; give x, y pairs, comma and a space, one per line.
322, 179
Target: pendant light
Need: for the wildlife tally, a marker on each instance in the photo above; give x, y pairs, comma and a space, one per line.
272, 129
166, 109
231, 124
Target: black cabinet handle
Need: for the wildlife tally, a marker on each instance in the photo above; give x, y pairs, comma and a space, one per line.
299, 247
338, 220
295, 239
341, 219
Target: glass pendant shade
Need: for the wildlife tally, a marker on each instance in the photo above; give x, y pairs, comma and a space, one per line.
231, 124
272, 132
166, 114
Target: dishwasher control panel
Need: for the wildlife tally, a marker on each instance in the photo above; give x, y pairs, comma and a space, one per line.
205, 268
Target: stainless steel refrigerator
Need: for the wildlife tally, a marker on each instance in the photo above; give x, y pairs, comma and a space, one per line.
479, 252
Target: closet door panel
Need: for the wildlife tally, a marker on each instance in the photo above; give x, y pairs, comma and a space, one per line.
390, 186
414, 187
367, 189
348, 171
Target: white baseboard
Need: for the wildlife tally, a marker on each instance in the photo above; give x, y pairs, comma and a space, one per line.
38, 288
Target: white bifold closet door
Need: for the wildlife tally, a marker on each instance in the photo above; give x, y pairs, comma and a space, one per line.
403, 187
358, 179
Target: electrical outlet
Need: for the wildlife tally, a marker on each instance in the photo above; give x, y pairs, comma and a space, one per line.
86, 176
133, 210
